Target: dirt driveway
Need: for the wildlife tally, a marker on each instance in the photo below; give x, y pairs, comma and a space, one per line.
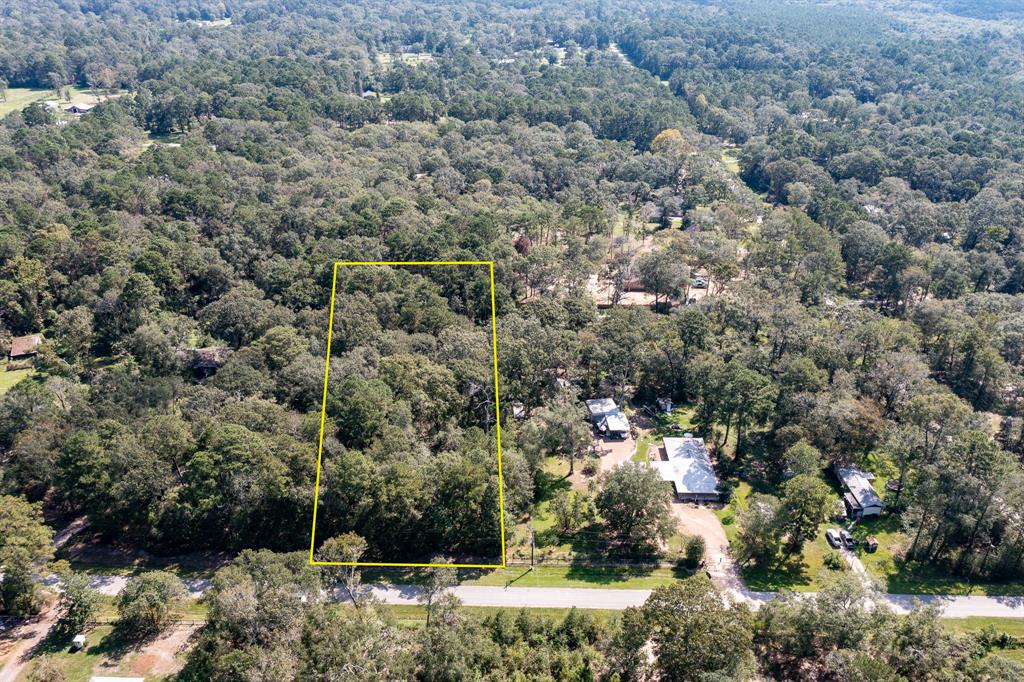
696, 520
615, 452
18, 644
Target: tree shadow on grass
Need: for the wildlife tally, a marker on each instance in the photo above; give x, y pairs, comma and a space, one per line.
780, 575
115, 644
546, 484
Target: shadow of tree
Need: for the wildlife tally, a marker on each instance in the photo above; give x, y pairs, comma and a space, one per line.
546, 484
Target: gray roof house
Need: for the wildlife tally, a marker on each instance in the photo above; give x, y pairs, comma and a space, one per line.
607, 418
599, 407
614, 425
688, 468
860, 497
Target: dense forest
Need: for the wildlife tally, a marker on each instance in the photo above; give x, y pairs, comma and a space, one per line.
845, 184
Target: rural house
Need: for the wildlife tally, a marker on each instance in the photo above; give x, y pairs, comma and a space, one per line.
608, 419
25, 347
860, 498
687, 466
79, 109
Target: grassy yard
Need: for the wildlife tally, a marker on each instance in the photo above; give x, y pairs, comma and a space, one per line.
19, 98
639, 578
105, 653
901, 577
416, 616
9, 378
188, 609
801, 574
1010, 626
731, 160
675, 424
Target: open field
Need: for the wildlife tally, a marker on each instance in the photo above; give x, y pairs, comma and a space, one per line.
107, 654
19, 98
9, 378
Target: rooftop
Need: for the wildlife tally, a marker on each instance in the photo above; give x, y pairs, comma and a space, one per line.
856, 481
601, 406
688, 467
616, 421
25, 345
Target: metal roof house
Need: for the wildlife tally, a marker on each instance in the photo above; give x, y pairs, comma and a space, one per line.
688, 468
599, 407
614, 425
608, 419
860, 497
79, 108
24, 347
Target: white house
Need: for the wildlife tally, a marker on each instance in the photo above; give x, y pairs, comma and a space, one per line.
688, 468
599, 407
608, 419
860, 498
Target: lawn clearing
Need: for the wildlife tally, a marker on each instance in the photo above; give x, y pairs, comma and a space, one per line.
731, 161
19, 98
636, 578
9, 378
799, 574
901, 577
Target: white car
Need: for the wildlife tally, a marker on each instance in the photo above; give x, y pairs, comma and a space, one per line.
832, 535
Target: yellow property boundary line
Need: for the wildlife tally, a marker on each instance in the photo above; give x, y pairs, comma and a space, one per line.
323, 418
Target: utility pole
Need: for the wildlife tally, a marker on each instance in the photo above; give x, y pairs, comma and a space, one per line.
533, 547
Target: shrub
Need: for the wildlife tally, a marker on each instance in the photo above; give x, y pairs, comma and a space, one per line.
834, 562
694, 551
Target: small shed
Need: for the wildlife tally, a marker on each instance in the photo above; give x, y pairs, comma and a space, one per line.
78, 642
25, 347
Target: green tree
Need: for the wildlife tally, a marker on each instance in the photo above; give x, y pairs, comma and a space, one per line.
803, 458
348, 547
571, 509
146, 605
437, 584
26, 544
757, 530
77, 604
635, 504
804, 505
663, 274
696, 635
564, 432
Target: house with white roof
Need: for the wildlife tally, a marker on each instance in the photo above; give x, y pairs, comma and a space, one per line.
687, 466
608, 419
860, 497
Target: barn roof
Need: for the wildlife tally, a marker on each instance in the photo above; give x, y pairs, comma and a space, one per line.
25, 345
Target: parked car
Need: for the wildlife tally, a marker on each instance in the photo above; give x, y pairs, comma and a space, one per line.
700, 283
832, 535
848, 541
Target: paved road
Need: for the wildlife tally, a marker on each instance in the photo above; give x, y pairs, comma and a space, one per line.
598, 598
617, 599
